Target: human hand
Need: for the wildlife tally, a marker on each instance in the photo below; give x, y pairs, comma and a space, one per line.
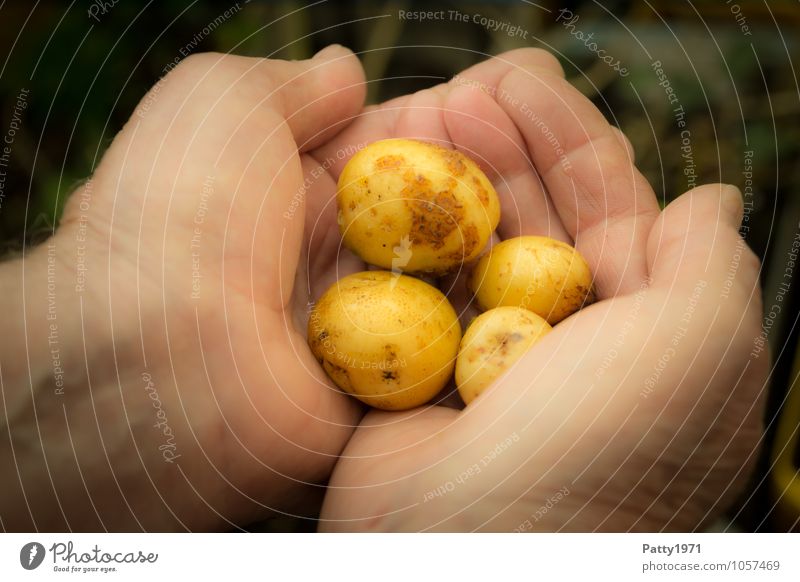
642, 412
188, 398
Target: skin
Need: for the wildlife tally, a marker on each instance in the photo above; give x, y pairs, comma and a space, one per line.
672, 460
221, 364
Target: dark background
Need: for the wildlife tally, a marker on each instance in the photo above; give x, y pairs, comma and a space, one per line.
739, 91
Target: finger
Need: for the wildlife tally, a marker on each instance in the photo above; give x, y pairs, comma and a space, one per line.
420, 117
697, 237
479, 127
247, 119
488, 74
606, 205
382, 121
374, 123
317, 97
324, 259
626, 143
415, 116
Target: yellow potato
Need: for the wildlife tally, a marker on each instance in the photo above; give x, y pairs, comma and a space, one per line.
389, 340
415, 207
492, 343
541, 274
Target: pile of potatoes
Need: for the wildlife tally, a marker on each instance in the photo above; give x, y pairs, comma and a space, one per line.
415, 210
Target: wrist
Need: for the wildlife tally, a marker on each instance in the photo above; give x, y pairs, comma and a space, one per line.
54, 323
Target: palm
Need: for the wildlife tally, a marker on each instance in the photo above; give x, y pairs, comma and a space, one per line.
208, 268
576, 415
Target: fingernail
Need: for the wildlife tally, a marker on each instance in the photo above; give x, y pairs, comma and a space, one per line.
731, 202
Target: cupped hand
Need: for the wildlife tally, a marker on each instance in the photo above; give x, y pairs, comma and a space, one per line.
641, 412
209, 409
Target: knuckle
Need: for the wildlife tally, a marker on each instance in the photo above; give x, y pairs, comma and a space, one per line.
196, 63
549, 61
625, 142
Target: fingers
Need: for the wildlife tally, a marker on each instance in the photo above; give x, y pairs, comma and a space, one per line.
479, 127
626, 143
411, 115
605, 204
492, 71
697, 237
415, 116
317, 97
237, 123
420, 117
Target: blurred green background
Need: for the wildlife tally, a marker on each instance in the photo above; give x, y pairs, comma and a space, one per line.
86, 74
86, 65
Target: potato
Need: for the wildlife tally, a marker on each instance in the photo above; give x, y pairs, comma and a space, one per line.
541, 274
492, 343
415, 207
388, 339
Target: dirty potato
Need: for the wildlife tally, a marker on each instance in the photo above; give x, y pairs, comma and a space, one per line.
388, 339
538, 273
415, 207
492, 343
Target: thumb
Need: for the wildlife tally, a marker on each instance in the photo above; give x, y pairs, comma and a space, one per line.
697, 236
317, 97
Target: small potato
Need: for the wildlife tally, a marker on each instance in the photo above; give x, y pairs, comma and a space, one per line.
415, 207
389, 340
492, 343
541, 274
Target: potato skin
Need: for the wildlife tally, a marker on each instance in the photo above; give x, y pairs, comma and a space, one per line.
541, 274
492, 343
415, 207
389, 340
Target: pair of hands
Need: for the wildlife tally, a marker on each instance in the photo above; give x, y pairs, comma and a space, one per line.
191, 400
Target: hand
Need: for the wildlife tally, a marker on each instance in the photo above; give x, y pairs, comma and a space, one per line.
189, 398
641, 412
